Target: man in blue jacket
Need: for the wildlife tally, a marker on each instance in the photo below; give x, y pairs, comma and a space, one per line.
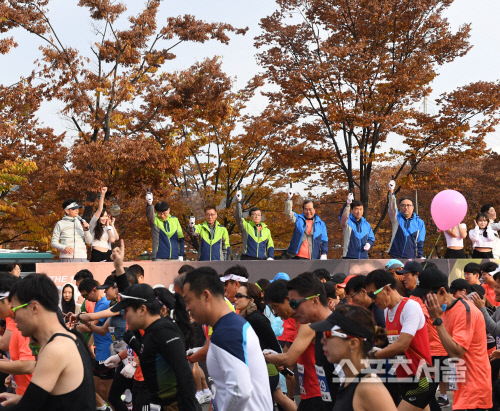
358, 234
408, 230
309, 240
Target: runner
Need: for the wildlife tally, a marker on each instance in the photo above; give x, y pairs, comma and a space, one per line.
103, 376
233, 279
461, 328
22, 361
408, 339
63, 375
250, 306
235, 361
355, 289
301, 352
348, 335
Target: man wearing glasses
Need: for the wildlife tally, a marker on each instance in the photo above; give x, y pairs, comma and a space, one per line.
103, 376
213, 238
408, 230
166, 231
307, 299
22, 361
408, 340
355, 289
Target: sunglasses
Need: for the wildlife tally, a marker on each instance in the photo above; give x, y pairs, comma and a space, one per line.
239, 295
373, 295
332, 333
14, 309
295, 303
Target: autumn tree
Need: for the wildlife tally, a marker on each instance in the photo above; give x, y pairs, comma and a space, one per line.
347, 78
118, 101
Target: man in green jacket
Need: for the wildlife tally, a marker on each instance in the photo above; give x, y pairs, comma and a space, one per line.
213, 238
256, 236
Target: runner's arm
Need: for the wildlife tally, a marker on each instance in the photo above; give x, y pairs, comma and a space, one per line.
18, 367
371, 395
103, 330
453, 349
304, 337
396, 348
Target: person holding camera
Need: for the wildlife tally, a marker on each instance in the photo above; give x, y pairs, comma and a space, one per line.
166, 231
71, 234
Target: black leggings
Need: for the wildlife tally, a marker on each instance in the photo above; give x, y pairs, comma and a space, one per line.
450, 253
118, 387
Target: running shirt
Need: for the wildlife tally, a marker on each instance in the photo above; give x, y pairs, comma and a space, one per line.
237, 366
308, 379
19, 350
407, 317
165, 368
102, 342
325, 372
465, 323
290, 330
437, 349
490, 294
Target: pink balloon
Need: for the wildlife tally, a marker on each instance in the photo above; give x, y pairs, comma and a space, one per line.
448, 208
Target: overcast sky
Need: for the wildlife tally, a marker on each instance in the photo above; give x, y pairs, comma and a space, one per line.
74, 28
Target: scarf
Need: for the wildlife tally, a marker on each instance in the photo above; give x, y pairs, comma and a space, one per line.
251, 307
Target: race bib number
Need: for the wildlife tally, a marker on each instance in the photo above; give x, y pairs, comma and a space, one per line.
392, 338
300, 369
323, 384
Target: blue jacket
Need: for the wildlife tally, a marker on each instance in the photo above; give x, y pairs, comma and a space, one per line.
212, 248
356, 235
320, 237
408, 235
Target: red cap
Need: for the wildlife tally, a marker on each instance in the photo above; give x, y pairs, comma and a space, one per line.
345, 281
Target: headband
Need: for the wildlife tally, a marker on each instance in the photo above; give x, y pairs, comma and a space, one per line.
350, 327
234, 277
4, 295
72, 205
496, 271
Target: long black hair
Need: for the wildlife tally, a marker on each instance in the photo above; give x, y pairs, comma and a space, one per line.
176, 303
99, 228
68, 307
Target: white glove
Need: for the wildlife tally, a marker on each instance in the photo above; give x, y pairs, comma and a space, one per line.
181, 258
323, 257
268, 351
113, 361
392, 185
128, 371
238, 195
192, 351
367, 247
270, 259
192, 220
290, 193
373, 350
350, 197
149, 198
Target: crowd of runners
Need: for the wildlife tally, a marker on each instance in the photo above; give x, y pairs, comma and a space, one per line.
402, 337
309, 240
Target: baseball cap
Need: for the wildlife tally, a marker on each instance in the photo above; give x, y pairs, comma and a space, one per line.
136, 293
392, 264
281, 276
428, 280
110, 282
345, 281
411, 266
460, 284
73, 206
338, 278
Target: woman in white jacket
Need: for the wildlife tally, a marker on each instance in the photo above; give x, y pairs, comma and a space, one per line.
482, 237
71, 234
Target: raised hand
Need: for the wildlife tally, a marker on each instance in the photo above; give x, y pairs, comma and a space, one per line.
238, 195
350, 197
392, 186
290, 193
149, 197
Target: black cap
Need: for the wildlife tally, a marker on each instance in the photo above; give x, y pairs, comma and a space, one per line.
348, 326
411, 266
460, 284
136, 293
338, 278
478, 288
110, 282
429, 279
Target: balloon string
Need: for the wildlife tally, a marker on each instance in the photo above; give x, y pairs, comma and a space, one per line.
435, 244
